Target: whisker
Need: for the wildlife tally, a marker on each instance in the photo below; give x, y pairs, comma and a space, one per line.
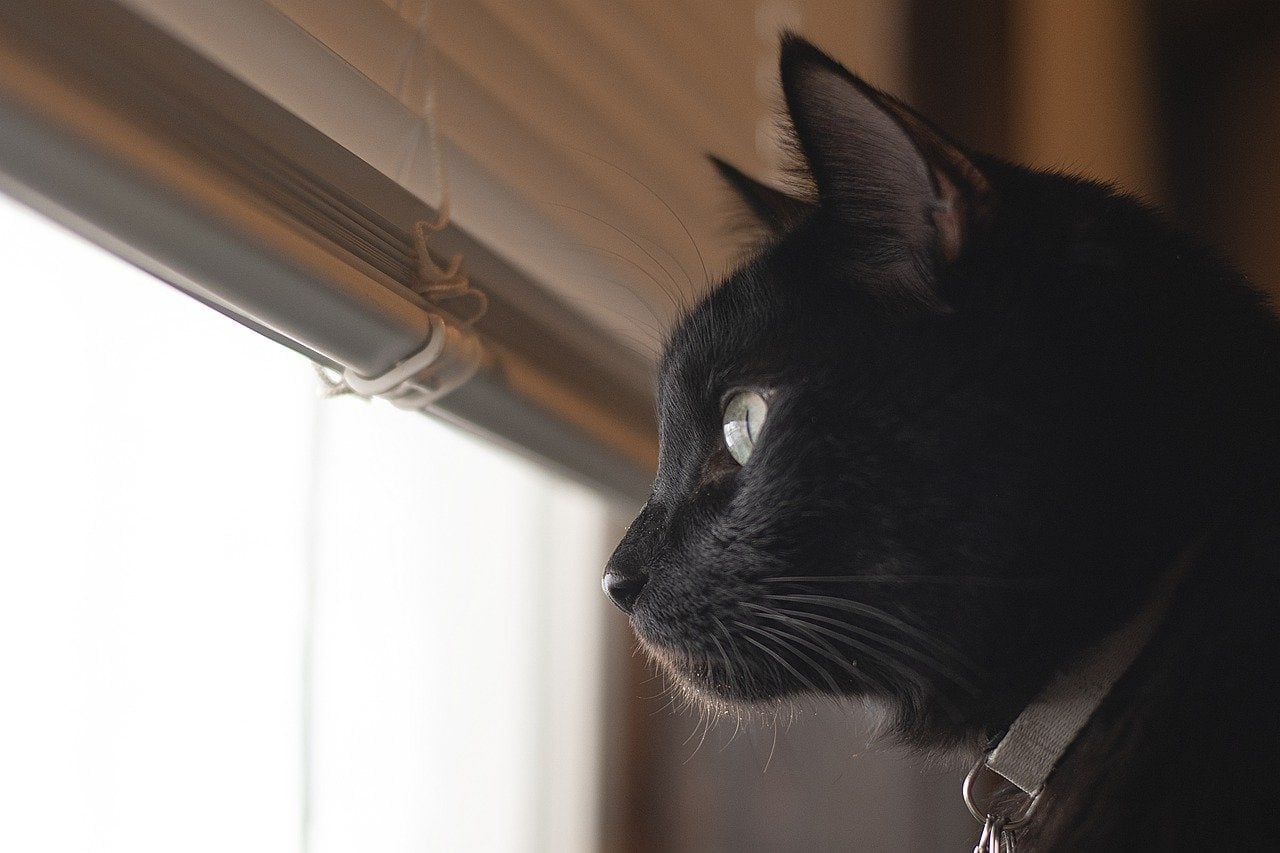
737, 726
843, 604
706, 729
860, 646
780, 659
671, 701
790, 641
674, 281
772, 748
747, 680
937, 646
656, 331
706, 276
786, 642
693, 734
919, 655
728, 664
682, 300
814, 641
910, 579
864, 650
631, 262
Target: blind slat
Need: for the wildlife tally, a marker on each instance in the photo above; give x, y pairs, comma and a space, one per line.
125, 135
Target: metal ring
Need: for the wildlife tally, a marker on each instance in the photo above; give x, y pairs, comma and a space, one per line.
984, 840
1012, 821
996, 838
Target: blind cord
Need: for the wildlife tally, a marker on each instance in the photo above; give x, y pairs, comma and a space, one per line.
436, 282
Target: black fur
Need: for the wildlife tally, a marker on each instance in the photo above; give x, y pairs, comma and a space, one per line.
1006, 403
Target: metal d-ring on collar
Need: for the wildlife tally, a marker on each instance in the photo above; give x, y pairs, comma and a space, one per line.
1011, 821
1030, 749
997, 829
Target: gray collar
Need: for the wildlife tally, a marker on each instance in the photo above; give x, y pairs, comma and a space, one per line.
1037, 739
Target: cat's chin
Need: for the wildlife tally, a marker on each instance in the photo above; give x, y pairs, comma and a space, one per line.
706, 682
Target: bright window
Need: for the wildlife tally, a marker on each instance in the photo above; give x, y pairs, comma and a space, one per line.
236, 616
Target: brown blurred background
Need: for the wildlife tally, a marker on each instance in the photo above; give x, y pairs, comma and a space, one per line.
1175, 100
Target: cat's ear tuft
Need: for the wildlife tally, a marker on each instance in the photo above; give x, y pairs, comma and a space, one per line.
909, 194
777, 211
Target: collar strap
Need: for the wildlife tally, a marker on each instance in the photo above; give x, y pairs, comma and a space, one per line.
1037, 739
1042, 732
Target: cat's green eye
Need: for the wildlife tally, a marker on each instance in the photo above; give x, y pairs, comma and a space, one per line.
744, 417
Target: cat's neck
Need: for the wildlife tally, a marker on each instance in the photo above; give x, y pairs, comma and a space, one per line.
1178, 755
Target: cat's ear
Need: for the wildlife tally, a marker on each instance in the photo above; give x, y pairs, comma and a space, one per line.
777, 211
909, 194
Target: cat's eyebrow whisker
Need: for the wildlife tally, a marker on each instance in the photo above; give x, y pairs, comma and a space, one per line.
706, 276
674, 281
616, 283
680, 301
655, 331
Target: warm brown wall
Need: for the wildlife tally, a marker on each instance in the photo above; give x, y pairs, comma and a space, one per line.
1218, 64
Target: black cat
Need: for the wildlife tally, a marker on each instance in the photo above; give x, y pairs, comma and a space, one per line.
955, 424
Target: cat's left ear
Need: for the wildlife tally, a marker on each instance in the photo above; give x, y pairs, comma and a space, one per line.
777, 211
910, 195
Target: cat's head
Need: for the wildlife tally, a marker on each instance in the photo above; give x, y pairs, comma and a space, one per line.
940, 384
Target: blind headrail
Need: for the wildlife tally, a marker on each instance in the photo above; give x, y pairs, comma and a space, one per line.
127, 136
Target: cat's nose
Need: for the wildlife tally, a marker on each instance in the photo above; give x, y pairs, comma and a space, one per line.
623, 590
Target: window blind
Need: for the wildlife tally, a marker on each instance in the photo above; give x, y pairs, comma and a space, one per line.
126, 134
275, 158
570, 132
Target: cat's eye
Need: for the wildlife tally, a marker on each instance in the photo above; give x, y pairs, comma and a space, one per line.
744, 417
